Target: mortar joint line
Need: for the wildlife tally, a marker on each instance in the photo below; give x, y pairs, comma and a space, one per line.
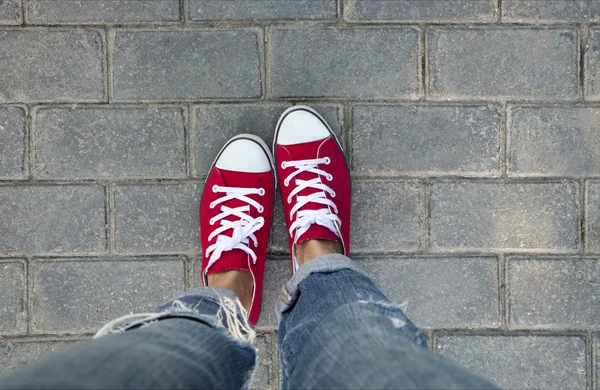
503, 133
29, 293
583, 41
110, 47
111, 221
503, 290
423, 73
582, 214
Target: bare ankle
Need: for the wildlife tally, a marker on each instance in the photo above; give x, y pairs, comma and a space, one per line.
311, 249
240, 282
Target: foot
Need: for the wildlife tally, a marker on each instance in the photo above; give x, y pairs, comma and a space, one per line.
235, 220
314, 182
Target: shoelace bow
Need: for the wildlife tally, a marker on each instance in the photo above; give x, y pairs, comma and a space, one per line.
305, 218
243, 229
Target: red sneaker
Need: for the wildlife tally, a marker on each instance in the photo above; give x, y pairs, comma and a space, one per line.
314, 179
236, 211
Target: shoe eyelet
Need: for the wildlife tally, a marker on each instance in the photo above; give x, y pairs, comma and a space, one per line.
330, 177
289, 199
212, 205
286, 183
261, 209
283, 165
212, 221
215, 188
332, 194
327, 160
261, 191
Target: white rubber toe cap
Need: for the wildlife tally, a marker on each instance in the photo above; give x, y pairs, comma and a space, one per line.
244, 155
301, 126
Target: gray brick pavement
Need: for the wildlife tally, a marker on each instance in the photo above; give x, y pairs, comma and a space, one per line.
76, 295
553, 293
13, 142
592, 217
521, 361
505, 216
542, 140
51, 65
472, 63
101, 11
470, 128
218, 10
417, 10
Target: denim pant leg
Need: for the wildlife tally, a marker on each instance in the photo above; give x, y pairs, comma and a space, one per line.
337, 330
186, 344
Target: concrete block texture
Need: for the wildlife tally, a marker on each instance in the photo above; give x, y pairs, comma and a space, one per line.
521, 361
184, 65
75, 295
553, 140
419, 10
157, 218
345, 62
507, 216
592, 216
554, 293
11, 12
111, 142
13, 287
214, 124
268, 363
52, 218
387, 216
13, 142
440, 292
426, 139
592, 65
51, 65
101, 11
472, 63
262, 9
16, 353
550, 10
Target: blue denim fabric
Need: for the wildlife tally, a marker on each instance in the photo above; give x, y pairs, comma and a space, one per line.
337, 330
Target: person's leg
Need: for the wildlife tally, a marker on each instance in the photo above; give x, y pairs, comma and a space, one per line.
337, 330
200, 340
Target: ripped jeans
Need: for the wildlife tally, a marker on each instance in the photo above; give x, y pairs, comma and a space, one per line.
336, 330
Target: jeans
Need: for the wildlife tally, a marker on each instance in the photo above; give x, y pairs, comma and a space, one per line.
336, 330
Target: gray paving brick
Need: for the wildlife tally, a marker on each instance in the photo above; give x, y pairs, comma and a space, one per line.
13, 311
277, 273
521, 362
346, 62
97, 142
592, 65
596, 367
387, 216
13, 142
72, 295
267, 363
554, 293
14, 354
101, 11
459, 292
592, 216
51, 65
157, 218
57, 219
186, 65
262, 9
427, 138
11, 12
542, 140
472, 62
214, 125
505, 216
550, 10
405, 10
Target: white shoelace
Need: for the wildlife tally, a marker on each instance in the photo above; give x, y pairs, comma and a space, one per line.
243, 229
305, 218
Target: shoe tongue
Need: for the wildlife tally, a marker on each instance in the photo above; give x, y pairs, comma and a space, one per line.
309, 151
235, 258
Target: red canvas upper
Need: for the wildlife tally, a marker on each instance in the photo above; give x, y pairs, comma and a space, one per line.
340, 184
237, 258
